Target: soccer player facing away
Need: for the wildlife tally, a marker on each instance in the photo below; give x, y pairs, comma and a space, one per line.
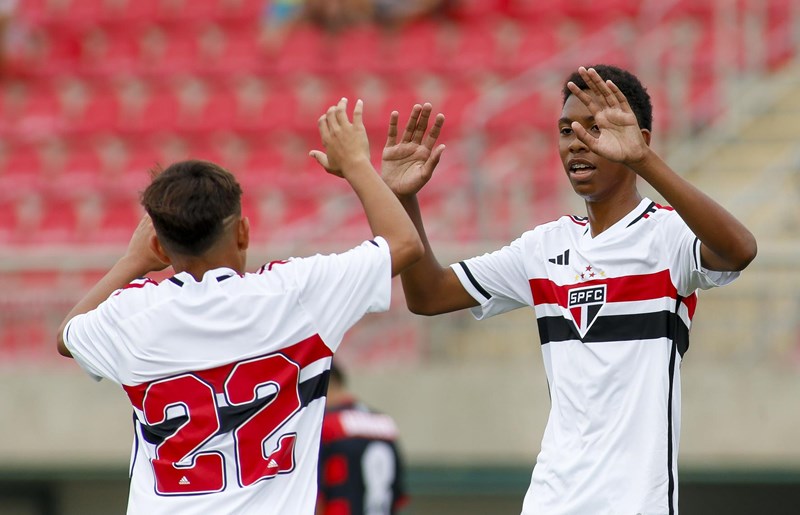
227, 370
361, 471
614, 294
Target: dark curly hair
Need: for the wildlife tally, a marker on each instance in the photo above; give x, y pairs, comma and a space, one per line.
628, 83
189, 203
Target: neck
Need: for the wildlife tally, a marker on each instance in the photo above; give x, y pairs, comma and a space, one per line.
604, 214
198, 266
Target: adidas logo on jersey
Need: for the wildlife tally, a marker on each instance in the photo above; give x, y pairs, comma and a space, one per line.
184, 481
561, 259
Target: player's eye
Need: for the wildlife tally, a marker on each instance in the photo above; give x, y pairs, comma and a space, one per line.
565, 131
595, 128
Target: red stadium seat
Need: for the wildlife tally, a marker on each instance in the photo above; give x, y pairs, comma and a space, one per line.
58, 223
100, 114
416, 48
275, 112
8, 218
160, 113
531, 45
21, 167
235, 50
469, 46
238, 11
25, 337
537, 11
360, 49
469, 10
121, 213
305, 49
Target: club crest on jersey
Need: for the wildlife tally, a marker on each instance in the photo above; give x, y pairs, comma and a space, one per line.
584, 303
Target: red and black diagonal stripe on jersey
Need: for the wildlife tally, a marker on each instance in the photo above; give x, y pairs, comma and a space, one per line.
302, 353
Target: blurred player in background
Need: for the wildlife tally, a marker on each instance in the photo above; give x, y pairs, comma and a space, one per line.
360, 468
614, 294
226, 370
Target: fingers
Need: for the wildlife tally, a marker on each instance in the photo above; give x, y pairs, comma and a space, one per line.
321, 158
391, 137
619, 95
433, 135
411, 126
580, 94
433, 160
598, 86
340, 113
324, 129
358, 113
583, 135
422, 123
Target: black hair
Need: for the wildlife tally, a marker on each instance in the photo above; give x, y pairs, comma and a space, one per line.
628, 83
189, 202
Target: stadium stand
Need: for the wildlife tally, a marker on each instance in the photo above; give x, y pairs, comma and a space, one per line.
101, 91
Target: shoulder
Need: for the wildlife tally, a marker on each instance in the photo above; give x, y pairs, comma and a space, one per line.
136, 292
657, 215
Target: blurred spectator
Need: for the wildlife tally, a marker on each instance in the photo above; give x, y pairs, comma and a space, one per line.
279, 16
396, 12
360, 468
335, 15
7, 10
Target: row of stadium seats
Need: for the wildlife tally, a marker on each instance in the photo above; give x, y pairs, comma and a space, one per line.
77, 12
502, 44
76, 130
192, 104
212, 48
94, 12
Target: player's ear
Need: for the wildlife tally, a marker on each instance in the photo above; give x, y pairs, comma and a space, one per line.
646, 134
243, 233
158, 250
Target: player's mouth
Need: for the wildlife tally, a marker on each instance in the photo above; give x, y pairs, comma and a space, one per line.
580, 168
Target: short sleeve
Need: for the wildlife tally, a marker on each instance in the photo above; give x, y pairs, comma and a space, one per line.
89, 338
339, 289
497, 281
687, 268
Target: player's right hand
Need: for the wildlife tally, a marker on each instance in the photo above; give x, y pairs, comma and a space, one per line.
408, 165
140, 249
345, 143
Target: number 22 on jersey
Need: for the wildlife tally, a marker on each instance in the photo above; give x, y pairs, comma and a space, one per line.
181, 467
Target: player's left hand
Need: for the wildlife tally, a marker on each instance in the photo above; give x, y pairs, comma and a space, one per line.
620, 137
407, 165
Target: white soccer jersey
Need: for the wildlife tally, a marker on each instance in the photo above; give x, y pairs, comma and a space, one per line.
613, 313
227, 377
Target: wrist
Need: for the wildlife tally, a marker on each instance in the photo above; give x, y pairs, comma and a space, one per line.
133, 266
643, 162
356, 165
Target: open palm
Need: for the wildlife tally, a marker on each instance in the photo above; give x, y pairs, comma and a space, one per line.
408, 164
620, 137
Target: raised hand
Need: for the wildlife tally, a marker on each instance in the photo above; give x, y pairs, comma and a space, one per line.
620, 137
407, 165
140, 250
344, 142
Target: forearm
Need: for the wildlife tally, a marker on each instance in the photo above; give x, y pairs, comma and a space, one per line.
122, 273
730, 245
429, 288
385, 215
